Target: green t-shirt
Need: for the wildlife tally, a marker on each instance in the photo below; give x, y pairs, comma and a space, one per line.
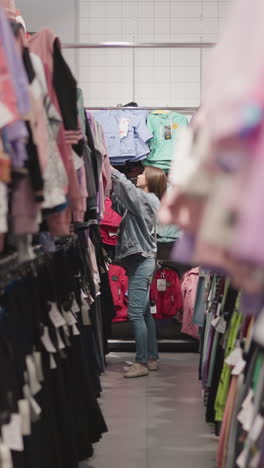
165, 128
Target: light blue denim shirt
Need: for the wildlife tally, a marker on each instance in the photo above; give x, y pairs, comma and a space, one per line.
137, 234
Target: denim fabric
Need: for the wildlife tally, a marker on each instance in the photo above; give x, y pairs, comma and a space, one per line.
140, 272
139, 212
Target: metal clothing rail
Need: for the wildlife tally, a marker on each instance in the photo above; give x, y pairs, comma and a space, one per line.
139, 45
182, 110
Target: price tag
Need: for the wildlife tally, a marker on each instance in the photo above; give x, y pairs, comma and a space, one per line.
123, 128
239, 367
35, 409
70, 319
153, 309
24, 411
46, 341
12, 434
75, 308
53, 364
161, 285
61, 345
35, 386
55, 316
5, 457
38, 363
257, 428
75, 330
234, 357
255, 462
242, 459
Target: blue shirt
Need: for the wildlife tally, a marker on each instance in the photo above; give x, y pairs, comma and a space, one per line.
133, 146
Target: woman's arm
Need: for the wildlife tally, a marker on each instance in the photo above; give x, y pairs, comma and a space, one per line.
129, 195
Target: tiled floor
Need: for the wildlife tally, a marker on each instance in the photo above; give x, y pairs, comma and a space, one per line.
157, 421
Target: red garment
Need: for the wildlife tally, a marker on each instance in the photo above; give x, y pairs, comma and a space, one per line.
110, 224
189, 288
119, 287
168, 302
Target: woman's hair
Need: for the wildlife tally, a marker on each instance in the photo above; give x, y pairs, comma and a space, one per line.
156, 181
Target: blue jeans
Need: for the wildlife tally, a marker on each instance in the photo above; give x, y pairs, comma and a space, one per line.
140, 271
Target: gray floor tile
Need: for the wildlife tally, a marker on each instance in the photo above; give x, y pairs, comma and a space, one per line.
156, 421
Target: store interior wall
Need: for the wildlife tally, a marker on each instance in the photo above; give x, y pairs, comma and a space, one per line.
62, 16
163, 76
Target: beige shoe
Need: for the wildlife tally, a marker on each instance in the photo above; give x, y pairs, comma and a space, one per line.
137, 370
153, 366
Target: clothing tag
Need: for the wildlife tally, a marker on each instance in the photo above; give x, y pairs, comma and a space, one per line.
75, 308
215, 322
246, 415
85, 314
221, 325
12, 434
257, 428
234, 357
167, 132
66, 332
70, 319
153, 309
241, 460
53, 364
161, 285
255, 462
38, 363
239, 367
55, 316
75, 330
24, 411
34, 406
123, 128
112, 234
5, 457
61, 345
46, 341
35, 386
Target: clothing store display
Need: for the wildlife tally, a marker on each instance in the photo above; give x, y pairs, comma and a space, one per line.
54, 287
189, 290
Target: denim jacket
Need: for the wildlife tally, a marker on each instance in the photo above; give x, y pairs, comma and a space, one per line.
137, 234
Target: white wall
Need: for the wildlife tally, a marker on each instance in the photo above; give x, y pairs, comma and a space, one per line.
62, 16
163, 76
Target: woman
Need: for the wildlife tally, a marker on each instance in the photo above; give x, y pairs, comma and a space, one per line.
136, 251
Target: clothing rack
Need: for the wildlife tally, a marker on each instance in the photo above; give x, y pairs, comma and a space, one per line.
182, 110
139, 45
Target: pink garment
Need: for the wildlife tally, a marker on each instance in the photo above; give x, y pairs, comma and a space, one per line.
25, 211
234, 68
10, 8
109, 225
42, 44
189, 288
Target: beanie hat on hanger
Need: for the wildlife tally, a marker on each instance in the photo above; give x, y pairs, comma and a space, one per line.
10, 8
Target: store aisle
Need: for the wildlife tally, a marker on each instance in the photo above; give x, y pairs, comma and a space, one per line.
157, 421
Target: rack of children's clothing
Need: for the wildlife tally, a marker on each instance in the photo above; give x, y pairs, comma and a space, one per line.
54, 326
217, 198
